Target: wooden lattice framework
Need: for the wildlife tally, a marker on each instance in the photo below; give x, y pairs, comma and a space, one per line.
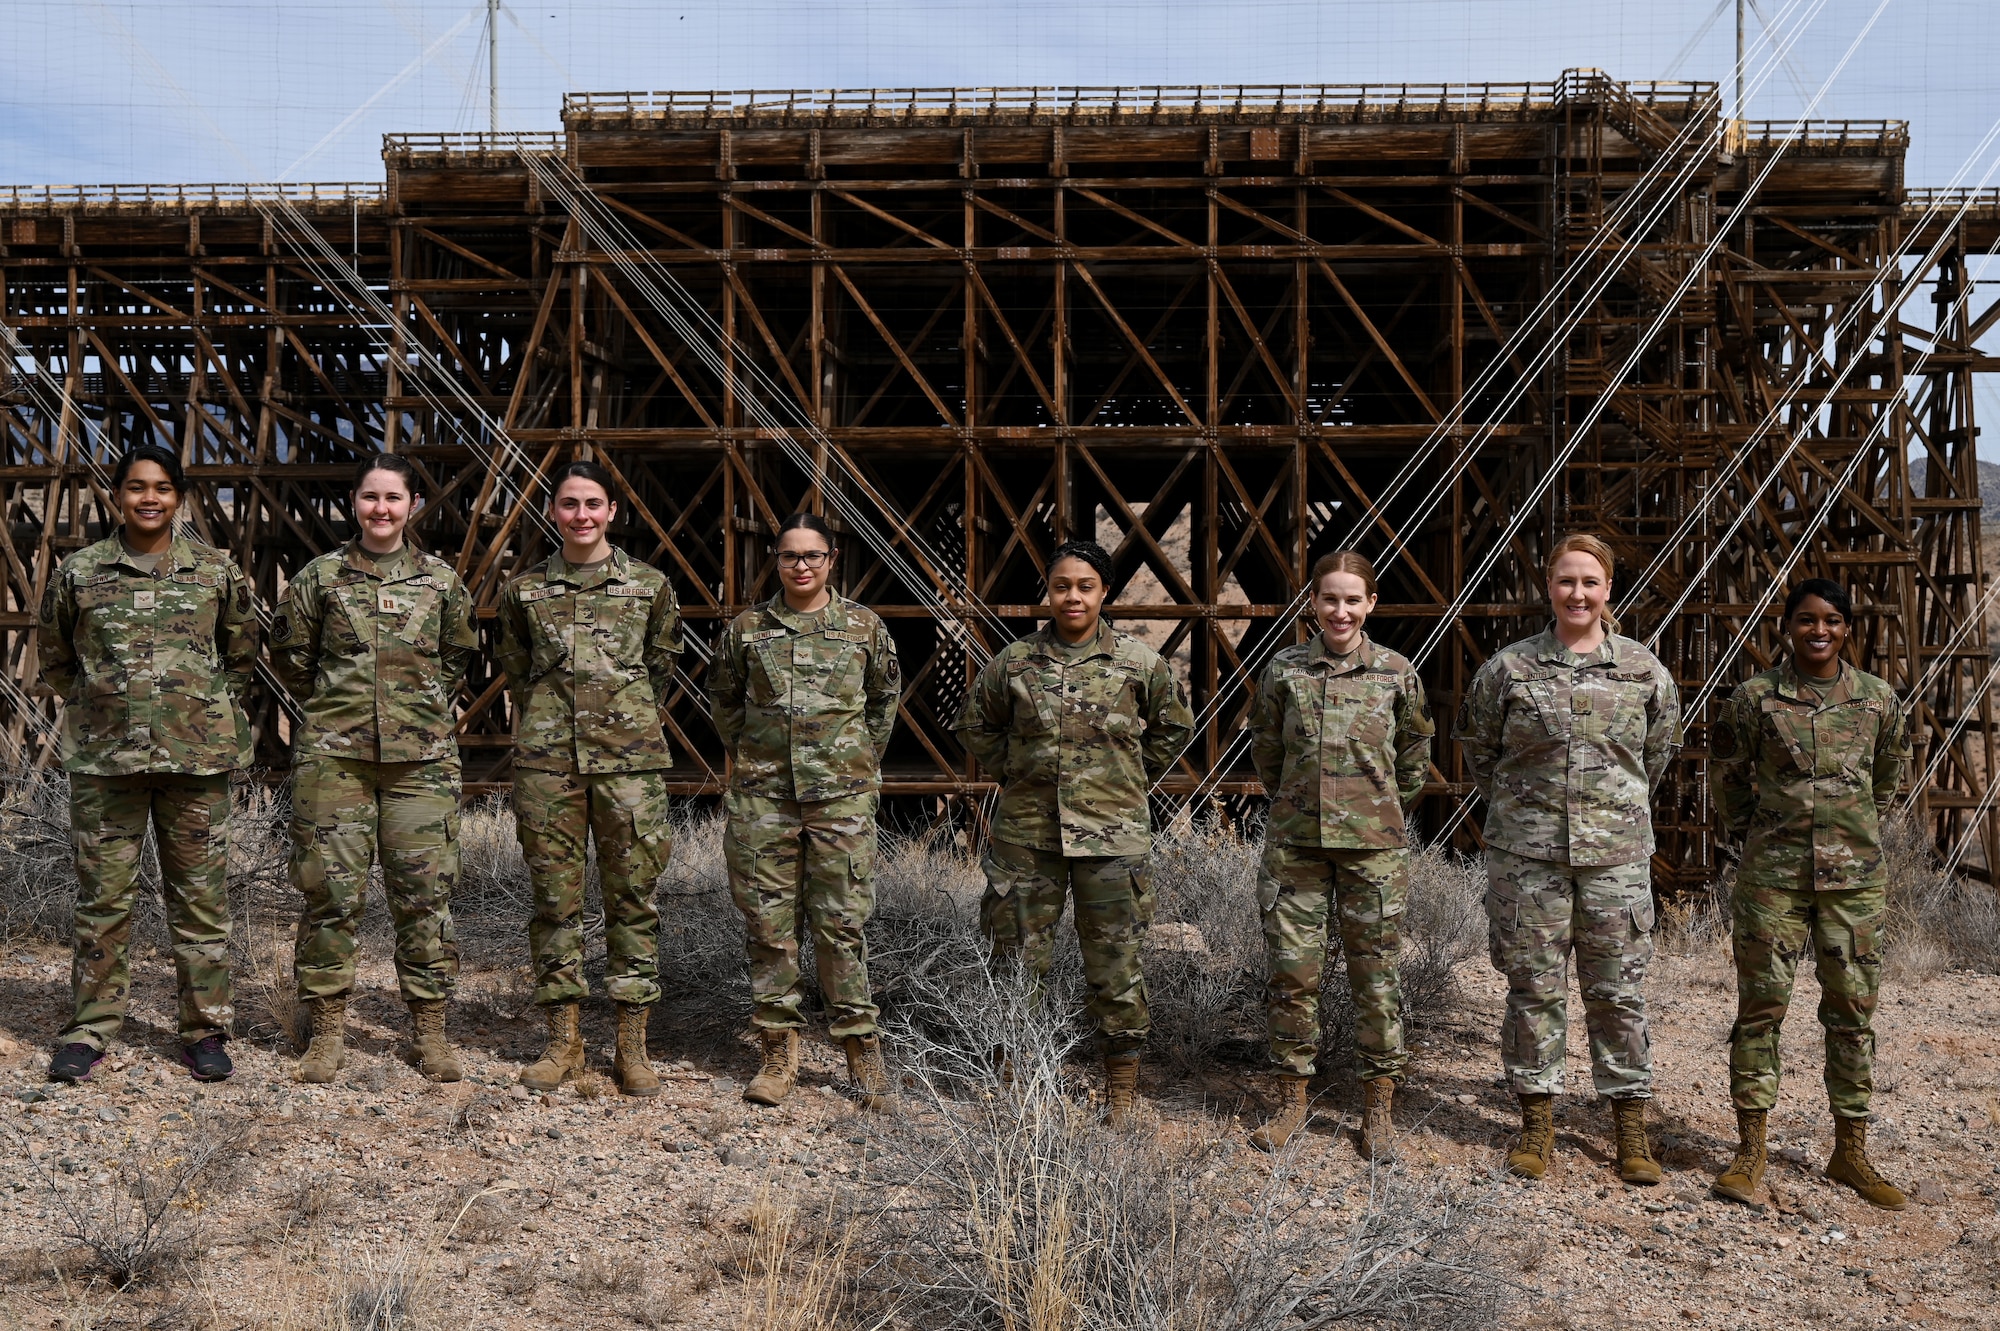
1210, 326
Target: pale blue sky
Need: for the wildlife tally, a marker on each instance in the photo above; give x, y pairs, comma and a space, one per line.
220, 90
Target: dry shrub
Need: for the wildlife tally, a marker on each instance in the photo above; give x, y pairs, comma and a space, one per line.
37, 860
139, 1208
1009, 1204
794, 1280
1936, 921
602, 1272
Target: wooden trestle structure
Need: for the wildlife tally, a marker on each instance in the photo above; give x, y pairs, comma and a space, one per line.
1212, 325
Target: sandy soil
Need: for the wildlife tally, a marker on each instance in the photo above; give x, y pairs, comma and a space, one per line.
604, 1212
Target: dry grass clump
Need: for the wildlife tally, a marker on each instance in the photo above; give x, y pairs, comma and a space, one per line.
1009, 1204
37, 860
1936, 922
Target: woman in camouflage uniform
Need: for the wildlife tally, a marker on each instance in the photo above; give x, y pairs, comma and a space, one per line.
373, 641
150, 639
1566, 734
1803, 764
589, 641
1077, 721
804, 690
1341, 738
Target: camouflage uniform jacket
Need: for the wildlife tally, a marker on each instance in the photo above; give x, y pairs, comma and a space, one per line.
1567, 749
1077, 734
590, 657
153, 667
805, 703
1341, 743
374, 650
1804, 783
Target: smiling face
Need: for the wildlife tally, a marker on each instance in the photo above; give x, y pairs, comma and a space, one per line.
382, 507
1579, 589
1076, 598
805, 562
147, 502
583, 514
1341, 604
1817, 632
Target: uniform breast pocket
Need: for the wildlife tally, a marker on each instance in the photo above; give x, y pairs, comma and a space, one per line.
350, 617
1619, 710
190, 604
1534, 710
1110, 702
767, 672
1845, 742
1363, 710
550, 617
415, 612
846, 671
1789, 730
1032, 695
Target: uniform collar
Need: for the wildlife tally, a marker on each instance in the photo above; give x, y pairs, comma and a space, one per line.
1550, 648
832, 615
1839, 689
389, 568
1361, 658
180, 553
1100, 643
618, 568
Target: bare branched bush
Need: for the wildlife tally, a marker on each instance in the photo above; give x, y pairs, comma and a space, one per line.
140, 1206
37, 859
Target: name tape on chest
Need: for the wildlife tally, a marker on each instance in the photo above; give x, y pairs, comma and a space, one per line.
629, 589
765, 635
543, 593
839, 635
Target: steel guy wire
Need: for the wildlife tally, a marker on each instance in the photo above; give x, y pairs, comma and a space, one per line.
1526, 509
689, 321
1594, 284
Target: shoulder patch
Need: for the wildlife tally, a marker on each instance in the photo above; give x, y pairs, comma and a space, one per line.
49, 602
1722, 743
281, 628
242, 598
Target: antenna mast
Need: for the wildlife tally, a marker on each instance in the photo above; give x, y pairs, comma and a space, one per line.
493, 61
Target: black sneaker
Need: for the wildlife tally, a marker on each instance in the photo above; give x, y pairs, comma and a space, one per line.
74, 1061
206, 1059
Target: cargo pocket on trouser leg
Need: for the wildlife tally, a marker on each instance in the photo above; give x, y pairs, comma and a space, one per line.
842, 897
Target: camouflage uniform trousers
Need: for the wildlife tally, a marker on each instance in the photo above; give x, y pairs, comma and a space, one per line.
1537, 912
1369, 889
626, 814
108, 825
1774, 927
819, 855
346, 813
1023, 903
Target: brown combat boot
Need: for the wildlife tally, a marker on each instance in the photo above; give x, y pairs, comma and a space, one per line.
1538, 1137
780, 1071
1378, 1128
436, 1058
868, 1073
1850, 1165
635, 1075
1740, 1181
562, 1058
327, 1053
1628, 1131
1121, 1087
1294, 1112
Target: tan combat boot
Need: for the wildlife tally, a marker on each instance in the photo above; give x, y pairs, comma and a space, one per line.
1740, 1181
635, 1075
1121, 1087
1294, 1111
1378, 1128
562, 1057
436, 1058
1628, 1131
1850, 1165
868, 1073
780, 1072
327, 1054
1538, 1137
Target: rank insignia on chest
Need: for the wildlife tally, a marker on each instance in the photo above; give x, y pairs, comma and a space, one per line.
143, 600
1579, 702
388, 603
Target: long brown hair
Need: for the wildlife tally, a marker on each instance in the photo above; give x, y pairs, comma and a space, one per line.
1583, 543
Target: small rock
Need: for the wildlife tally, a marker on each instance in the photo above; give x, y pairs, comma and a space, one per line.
1930, 1192
1794, 1154
555, 1134
107, 1114
1467, 1099
530, 1227
517, 1092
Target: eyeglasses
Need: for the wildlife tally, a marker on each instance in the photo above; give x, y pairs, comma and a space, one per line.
809, 558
